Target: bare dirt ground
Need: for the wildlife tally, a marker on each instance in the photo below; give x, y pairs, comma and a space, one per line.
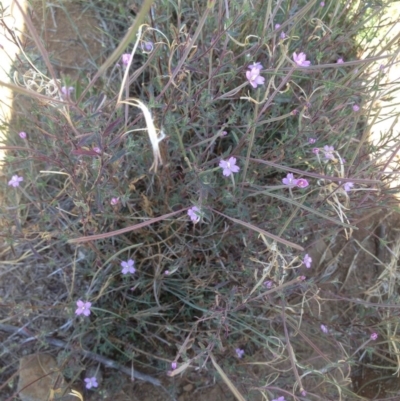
355, 263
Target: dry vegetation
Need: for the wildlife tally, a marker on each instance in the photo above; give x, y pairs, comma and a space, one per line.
113, 168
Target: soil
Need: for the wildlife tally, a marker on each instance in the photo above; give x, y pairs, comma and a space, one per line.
76, 49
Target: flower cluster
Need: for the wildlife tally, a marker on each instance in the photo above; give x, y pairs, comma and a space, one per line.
290, 181
253, 75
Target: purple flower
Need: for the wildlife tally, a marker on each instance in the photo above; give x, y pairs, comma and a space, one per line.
356, 108
22, 135
229, 167
174, 365
282, 35
224, 133
300, 59
277, 26
90, 382
67, 91
254, 77
328, 150
83, 308
193, 213
289, 180
239, 352
302, 278
279, 399
340, 61
128, 267
348, 185
324, 329
322, 4
15, 180
307, 260
257, 66
147, 47
374, 336
315, 150
97, 150
126, 58
268, 284
114, 201
312, 140
302, 183
294, 112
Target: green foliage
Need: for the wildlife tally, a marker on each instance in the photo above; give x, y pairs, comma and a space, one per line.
83, 151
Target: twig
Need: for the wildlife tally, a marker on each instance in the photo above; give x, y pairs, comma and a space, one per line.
88, 354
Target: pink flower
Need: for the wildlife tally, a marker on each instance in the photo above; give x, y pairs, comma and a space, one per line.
322, 4
279, 399
126, 58
302, 183
294, 112
300, 59
128, 267
307, 260
257, 66
315, 150
15, 180
356, 108
224, 133
114, 201
277, 26
254, 77
268, 284
340, 61
289, 180
22, 135
239, 352
348, 185
194, 214
91, 382
229, 166
312, 140
328, 150
147, 47
97, 150
324, 329
67, 91
302, 278
83, 308
374, 336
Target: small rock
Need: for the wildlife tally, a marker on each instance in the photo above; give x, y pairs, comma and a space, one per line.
188, 388
40, 379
